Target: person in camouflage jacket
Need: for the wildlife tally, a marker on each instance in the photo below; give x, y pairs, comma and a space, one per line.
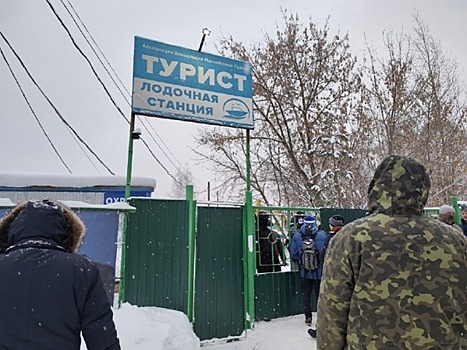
395, 279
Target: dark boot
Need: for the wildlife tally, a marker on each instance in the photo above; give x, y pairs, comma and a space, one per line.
312, 332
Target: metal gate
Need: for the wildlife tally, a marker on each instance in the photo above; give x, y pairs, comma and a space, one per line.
157, 267
156, 254
219, 305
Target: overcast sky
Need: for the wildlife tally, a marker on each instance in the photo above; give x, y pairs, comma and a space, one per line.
66, 78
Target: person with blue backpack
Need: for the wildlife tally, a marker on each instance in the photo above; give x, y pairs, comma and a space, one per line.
307, 250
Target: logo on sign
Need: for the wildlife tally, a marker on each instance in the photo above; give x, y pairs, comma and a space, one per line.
235, 109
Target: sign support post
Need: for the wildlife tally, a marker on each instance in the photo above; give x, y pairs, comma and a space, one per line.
249, 238
130, 158
121, 287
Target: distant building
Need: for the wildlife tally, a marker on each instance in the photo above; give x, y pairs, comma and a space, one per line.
102, 189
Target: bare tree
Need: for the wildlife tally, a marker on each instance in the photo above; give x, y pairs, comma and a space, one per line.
416, 106
182, 178
306, 102
323, 123
443, 104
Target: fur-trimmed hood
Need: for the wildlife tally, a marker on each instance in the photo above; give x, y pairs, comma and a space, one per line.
52, 223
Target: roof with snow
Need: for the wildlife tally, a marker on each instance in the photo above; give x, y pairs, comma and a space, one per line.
19, 186
17, 180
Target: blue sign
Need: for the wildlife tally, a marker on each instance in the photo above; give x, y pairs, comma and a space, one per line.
179, 83
119, 196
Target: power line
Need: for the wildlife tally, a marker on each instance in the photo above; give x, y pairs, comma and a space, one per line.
40, 125
126, 97
86, 58
95, 43
160, 138
100, 81
53, 106
34, 114
85, 153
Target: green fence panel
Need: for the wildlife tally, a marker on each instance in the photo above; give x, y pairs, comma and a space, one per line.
219, 303
278, 295
156, 259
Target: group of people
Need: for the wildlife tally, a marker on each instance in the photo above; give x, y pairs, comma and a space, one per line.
394, 279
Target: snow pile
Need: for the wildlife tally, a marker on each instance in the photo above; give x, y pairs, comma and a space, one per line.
153, 328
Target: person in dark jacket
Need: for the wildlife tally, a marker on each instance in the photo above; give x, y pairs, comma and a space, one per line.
336, 222
309, 280
49, 295
463, 224
296, 222
395, 279
270, 252
447, 215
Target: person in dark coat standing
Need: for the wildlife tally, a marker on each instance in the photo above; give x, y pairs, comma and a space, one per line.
49, 295
463, 224
336, 222
270, 246
310, 280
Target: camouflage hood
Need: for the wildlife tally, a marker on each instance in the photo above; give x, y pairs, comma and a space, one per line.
400, 186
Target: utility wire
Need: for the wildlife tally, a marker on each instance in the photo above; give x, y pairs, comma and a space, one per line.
86, 58
160, 138
102, 84
34, 113
95, 43
128, 94
53, 106
93, 50
84, 152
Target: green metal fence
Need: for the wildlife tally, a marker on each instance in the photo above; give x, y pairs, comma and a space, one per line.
156, 258
277, 295
219, 304
160, 257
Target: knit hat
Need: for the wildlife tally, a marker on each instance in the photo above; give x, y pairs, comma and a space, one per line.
336, 220
464, 207
309, 226
444, 209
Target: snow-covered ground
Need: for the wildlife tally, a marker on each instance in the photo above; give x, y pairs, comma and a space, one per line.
282, 333
153, 328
